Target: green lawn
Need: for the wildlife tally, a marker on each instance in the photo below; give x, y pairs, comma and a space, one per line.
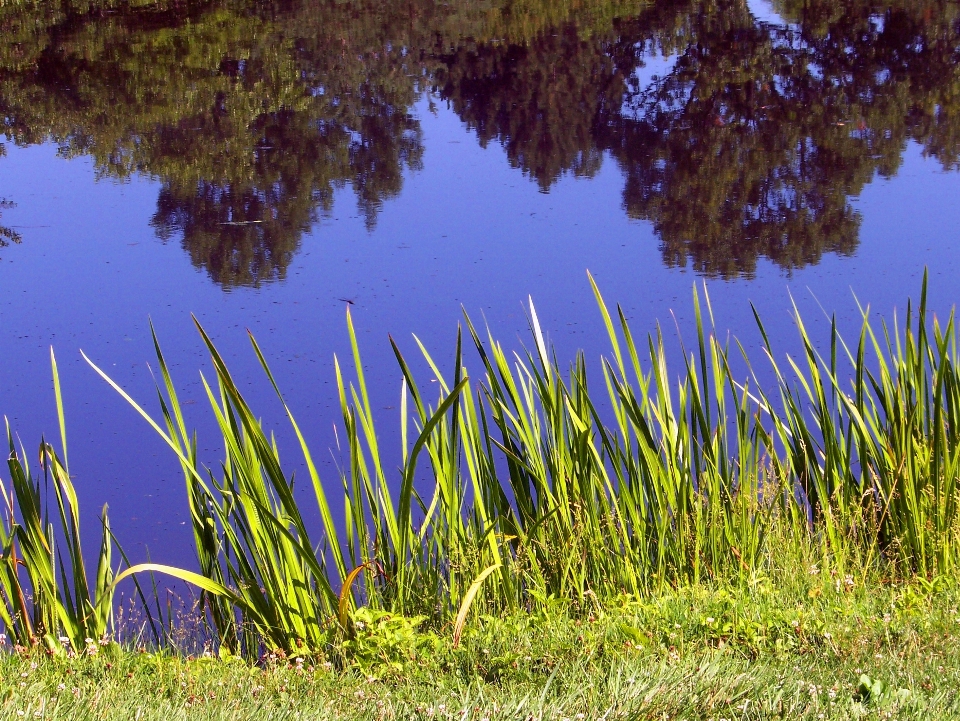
796, 649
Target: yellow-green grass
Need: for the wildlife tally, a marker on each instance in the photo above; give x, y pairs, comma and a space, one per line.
801, 646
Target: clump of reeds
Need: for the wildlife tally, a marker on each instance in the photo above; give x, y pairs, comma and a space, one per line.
45, 593
547, 490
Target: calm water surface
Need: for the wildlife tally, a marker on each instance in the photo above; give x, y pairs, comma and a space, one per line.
266, 165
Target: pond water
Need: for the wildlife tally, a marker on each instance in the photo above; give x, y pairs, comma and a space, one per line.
267, 165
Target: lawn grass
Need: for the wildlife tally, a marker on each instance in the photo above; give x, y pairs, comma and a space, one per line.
798, 647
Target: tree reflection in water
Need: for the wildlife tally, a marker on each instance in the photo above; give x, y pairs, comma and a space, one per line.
252, 115
7, 235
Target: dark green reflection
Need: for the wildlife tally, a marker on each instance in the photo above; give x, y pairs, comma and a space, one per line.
756, 139
252, 115
6, 234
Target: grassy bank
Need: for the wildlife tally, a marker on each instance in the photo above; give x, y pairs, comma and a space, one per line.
654, 518
799, 647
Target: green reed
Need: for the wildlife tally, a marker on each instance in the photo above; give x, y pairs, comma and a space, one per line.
45, 593
879, 459
527, 484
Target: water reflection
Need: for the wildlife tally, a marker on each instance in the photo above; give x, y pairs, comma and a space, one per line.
771, 129
252, 115
7, 235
